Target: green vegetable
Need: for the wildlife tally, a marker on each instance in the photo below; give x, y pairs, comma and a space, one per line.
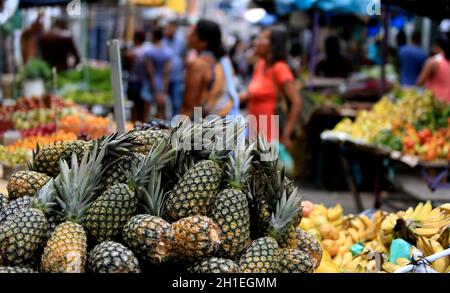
36, 69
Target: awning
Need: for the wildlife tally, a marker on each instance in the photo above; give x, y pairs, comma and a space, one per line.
33, 3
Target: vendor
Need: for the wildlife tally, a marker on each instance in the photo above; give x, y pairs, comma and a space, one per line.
436, 72
411, 60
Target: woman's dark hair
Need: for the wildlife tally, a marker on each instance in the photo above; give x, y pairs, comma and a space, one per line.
209, 32
401, 39
158, 34
332, 47
443, 42
139, 37
279, 44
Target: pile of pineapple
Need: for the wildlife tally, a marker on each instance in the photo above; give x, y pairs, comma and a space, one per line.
139, 202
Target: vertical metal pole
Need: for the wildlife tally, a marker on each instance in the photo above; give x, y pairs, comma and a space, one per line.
426, 34
117, 85
315, 31
384, 49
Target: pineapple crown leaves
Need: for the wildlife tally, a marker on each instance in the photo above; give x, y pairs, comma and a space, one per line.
287, 207
153, 195
238, 168
78, 184
35, 152
118, 145
45, 198
157, 158
265, 153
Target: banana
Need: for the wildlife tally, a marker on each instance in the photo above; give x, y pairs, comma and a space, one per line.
335, 213
390, 267
338, 260
427, 207
427, 232
408, 214
354, 235
321, 209
403, 261
445, 207
358, 224
417, 211
306, 224
441, 264
447, 270
337, 223
347, 258
366, 221
341, 239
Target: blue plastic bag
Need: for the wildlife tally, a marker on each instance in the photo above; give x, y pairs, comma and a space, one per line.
285, 160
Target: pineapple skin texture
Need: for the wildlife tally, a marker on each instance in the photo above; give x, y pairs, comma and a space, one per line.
109, 213
47, 159
148, 139
66, 250
16, 270
25, 183
194, 192
116, 172
3, 201
150, 237
112, 257
231, 213
214, 265
13, 207
308, 244
21, 235
196, 237
295, 261
262, 256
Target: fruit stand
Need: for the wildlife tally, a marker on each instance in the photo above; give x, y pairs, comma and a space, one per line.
400, 132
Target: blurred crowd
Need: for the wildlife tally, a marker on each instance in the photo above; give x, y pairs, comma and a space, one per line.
171, 70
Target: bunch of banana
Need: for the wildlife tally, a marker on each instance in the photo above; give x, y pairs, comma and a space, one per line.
432, 246
426, 221
335, 216
358, 227
386, 233
375, 225
327, 265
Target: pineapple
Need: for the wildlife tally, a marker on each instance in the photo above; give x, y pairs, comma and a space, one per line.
116, 170
65, 251
193, 193
13, 207
112, 257
196, 237
262, 256
230, 208
308, 244
148, 235
24, 231
148, 139
295, 261
46, 160
16, 270
109, 213
3, 201
214, 265
25, 183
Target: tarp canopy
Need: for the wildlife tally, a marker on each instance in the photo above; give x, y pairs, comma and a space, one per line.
33, 3
436, 9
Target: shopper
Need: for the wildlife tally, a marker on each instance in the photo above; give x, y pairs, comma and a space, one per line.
30, 38
138, 78
58, 48
272, 79
411, 58
334, 64
159, 65
436, 72
206, 83
175, 41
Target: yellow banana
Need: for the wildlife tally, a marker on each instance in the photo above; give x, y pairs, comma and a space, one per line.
390, 267
338, 260
354, 234
347, 258
357, 224
403, 261
447, 270
442, 263
366, 221
445, 207
408, 214
306, 224
341, 239
427, 232
427, 207
335, 213
417, 211
321, 209
337, 223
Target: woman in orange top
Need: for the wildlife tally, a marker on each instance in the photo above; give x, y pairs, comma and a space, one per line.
436, 73
272, 76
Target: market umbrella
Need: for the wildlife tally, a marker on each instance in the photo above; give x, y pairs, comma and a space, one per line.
436, 9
